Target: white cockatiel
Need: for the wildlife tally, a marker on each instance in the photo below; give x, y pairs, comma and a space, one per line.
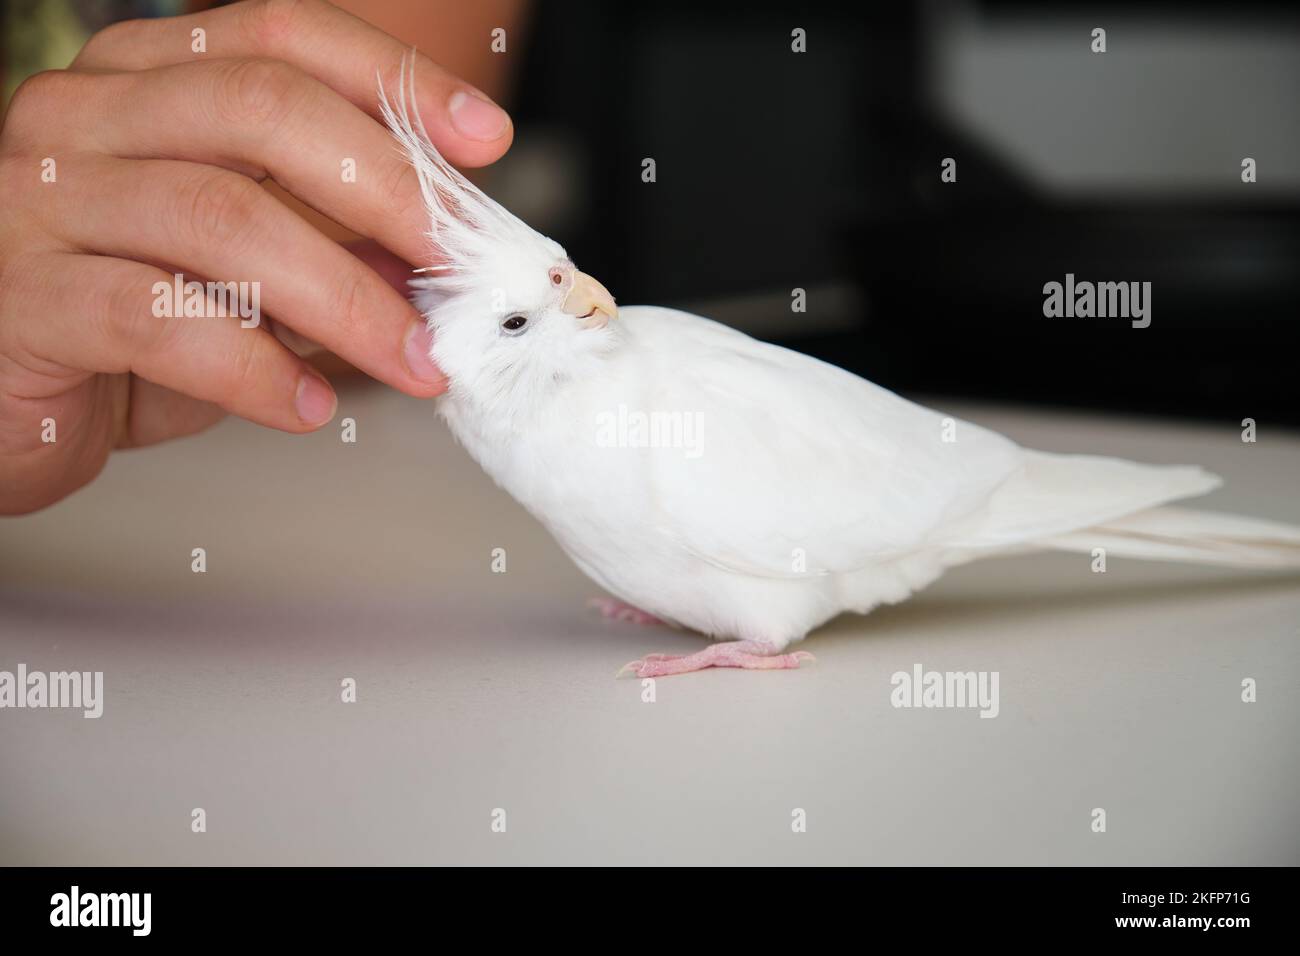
746, 491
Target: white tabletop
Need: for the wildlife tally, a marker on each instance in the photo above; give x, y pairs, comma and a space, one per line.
478, 691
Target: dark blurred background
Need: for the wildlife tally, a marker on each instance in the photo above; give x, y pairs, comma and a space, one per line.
821, 170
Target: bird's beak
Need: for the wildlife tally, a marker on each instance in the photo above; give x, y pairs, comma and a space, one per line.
590, 302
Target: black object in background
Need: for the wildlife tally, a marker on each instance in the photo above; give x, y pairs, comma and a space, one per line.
778, 170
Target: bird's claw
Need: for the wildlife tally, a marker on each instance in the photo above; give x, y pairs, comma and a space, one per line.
727, 654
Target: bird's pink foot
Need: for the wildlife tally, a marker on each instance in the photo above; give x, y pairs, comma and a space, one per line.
616, 610
747, 654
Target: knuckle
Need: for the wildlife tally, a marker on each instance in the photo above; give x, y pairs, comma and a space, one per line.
398, 185
270, 21
221, 208
106, 42
15, 273
39, 97
244, 362
125, 314
355, 300
257, 91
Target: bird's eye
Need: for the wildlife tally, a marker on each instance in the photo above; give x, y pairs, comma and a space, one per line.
557, 277
514, 324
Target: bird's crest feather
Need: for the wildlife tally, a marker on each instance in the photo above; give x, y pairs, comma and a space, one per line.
469, 233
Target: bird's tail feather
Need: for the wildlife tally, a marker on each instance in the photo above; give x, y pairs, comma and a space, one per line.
1185, 534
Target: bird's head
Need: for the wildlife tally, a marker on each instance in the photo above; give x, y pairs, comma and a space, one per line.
511, 314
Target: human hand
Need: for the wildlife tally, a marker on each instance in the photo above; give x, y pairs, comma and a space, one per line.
141, 162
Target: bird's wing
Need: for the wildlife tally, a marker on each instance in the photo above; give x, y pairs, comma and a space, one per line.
798, 466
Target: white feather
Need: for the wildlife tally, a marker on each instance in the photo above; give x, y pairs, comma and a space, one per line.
470, 235
813, 491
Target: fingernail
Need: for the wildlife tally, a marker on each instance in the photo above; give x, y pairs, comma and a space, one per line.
418, 349
476, 117
315, 401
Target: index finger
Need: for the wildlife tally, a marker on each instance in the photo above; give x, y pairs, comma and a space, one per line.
342, 51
